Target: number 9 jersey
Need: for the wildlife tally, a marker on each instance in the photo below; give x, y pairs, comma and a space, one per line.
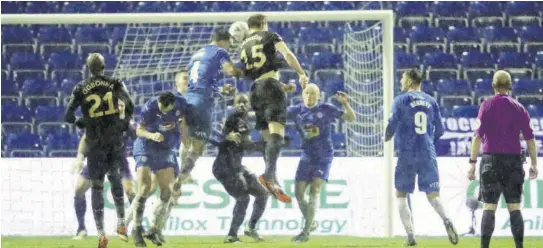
416, 121
258, 54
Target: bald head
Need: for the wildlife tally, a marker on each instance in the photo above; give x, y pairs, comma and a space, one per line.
501, 82
95, 63
311, 95
241, 103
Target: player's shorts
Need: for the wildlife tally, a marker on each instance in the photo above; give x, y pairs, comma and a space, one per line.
269, 101
125, 170
241, 183
199, 117
501, 173
313, 166
158, 160
103, 158
424, 169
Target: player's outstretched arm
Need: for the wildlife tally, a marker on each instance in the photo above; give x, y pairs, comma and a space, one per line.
231, 69
292, 62
78, 165
75, 102
349, 114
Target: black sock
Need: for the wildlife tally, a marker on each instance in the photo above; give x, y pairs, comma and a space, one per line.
118, 193
273, 148
487, 227
189, 163
80, 205
97, 193
517, 228
238, 214
258, 210
139, 208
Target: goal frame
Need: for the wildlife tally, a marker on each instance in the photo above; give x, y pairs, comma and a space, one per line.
385, 16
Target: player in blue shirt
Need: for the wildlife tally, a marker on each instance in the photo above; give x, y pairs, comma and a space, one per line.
314, 123
416, 120
154, 152
204, 69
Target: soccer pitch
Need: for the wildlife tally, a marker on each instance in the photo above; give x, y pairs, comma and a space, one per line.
271, 241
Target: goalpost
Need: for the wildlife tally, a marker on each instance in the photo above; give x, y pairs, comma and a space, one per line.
157, 45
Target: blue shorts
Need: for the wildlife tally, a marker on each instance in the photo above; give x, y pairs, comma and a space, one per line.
311, 167
158, 160
199, 118
126, 173
425, 170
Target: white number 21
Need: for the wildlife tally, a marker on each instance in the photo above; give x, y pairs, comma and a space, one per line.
421, 122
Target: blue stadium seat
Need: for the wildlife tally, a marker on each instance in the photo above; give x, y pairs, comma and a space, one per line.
427, 40
486, 14
465, 111
227, 6
519, 65
34, 7
61, 141
444, 112
152, 7
523, 13
464, 40
15, 113
477, 65
454, 92
535, 110
92, 39
54, 35
532, 39
9, 88
413, 14
288, 34
407, 60
303, 6
339, 5
539, 64
114, 7
25, 144
78, 7
401, 39
501, 40
428, 87
316, 35
38, 87
482, 90
325, 61
450, 14
189, 7
17, 35
27, 65
12, 7
441, 66
528, 91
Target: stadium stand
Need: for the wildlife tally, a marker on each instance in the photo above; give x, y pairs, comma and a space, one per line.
458, 45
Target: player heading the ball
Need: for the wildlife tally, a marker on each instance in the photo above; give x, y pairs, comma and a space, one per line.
268, 98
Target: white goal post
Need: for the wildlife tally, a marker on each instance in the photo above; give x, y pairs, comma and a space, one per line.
385, 17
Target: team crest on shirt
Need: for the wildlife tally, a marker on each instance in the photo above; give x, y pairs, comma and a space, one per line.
319, 115
143, 158
177, 113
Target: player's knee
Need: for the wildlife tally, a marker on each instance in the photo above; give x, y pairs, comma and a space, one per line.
490, 206
513, 207
401, 194
243, 198
97, 184
144, 190
165, 194
432, 195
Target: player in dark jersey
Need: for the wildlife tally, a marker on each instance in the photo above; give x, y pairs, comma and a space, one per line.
268, 98
84, 183
239, 182
416, 122
98, 96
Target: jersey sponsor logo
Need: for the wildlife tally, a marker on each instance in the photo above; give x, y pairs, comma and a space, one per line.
166, 126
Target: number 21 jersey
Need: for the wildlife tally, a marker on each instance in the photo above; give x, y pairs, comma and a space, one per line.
258, 54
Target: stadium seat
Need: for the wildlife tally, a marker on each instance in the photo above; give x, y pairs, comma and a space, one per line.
25, 145
477, 65
9, 88
61, 141
465, 111
27, 65
78, 7
454, 92
462, 40
538, 63
34, 7
152, 7
189, 7
441, 66
528, 91
303, 6
92, 38
406, 60
428, 87
38, 87
12, 7
17, 35
482, 90
535, 110
15, 113
502, 39
450, 14
522, 13
113, 7
65, 65
519, 65
288, 35
427, 40
54, 39
339, 5
401, 39
325, 61
413, 14
227, 6
532, 39
315, 35
444, 112
486, 14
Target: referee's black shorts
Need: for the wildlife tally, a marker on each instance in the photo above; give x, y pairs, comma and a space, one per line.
501, 173
269, 101
103, 158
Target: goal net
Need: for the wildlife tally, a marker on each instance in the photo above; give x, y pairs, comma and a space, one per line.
357, 200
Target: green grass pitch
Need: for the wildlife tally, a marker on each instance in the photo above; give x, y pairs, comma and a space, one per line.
271, 241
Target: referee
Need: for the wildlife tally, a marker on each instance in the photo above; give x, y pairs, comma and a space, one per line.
501, 121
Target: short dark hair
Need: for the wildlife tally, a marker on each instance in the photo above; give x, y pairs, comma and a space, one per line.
95, 63
166, 98
415, 75
257, 21
221, 35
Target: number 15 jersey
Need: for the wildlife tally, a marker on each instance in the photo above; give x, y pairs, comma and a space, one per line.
258, 54
416, 120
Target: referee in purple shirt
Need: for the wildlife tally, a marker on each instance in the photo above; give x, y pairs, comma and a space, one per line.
501, 121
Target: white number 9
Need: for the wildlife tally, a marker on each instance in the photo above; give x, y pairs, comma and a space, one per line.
421, 122
194, 72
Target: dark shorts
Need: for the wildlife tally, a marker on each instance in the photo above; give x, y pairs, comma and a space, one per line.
104, 158
125, 171
269, 101
311, 166
423, 169
501, 173
240, 183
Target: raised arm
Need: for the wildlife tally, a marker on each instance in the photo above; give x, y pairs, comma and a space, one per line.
75, 102
292, 61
